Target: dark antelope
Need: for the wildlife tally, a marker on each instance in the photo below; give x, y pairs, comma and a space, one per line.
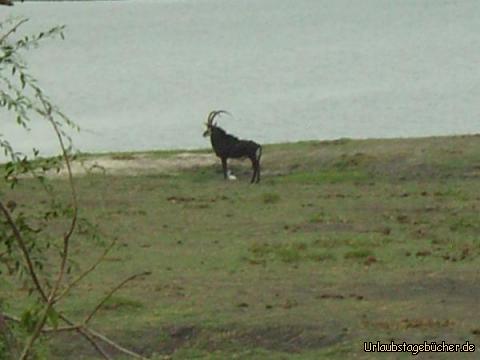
227, 146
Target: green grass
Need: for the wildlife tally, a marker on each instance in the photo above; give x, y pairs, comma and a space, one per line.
342, 242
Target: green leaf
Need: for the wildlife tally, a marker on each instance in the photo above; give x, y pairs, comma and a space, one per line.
22, 80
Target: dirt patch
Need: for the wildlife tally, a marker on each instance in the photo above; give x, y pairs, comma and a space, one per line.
288, 339
320, 227
138, 164
141, 164
438, 287
168, 340
404, 168
422, 323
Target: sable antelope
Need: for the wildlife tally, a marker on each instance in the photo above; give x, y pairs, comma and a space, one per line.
228, 146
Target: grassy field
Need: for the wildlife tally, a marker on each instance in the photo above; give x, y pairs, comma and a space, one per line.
342, 242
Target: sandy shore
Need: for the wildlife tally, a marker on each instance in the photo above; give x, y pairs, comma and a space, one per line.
136, 164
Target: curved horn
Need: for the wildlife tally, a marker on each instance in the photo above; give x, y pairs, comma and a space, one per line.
209, 119
213, 114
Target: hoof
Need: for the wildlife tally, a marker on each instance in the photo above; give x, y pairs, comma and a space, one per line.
231, 176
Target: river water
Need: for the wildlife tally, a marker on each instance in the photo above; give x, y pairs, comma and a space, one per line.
144, 74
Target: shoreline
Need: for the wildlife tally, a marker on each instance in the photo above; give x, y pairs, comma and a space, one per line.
135, 163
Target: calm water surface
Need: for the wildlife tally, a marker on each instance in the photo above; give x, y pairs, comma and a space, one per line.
144, 74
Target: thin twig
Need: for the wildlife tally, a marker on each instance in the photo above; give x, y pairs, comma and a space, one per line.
114, 344
45, 329
39, 288
88, 333
23, 248
66, 237
92, 341
12, 30
84, 274
10, 317
116, 288
83, 332
36, 332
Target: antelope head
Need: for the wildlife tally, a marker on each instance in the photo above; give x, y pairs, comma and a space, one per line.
210, 124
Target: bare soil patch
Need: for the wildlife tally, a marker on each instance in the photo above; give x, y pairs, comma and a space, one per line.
440, 287
169, 339
137, 164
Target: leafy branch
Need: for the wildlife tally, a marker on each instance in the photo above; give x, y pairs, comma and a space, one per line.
21, 95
